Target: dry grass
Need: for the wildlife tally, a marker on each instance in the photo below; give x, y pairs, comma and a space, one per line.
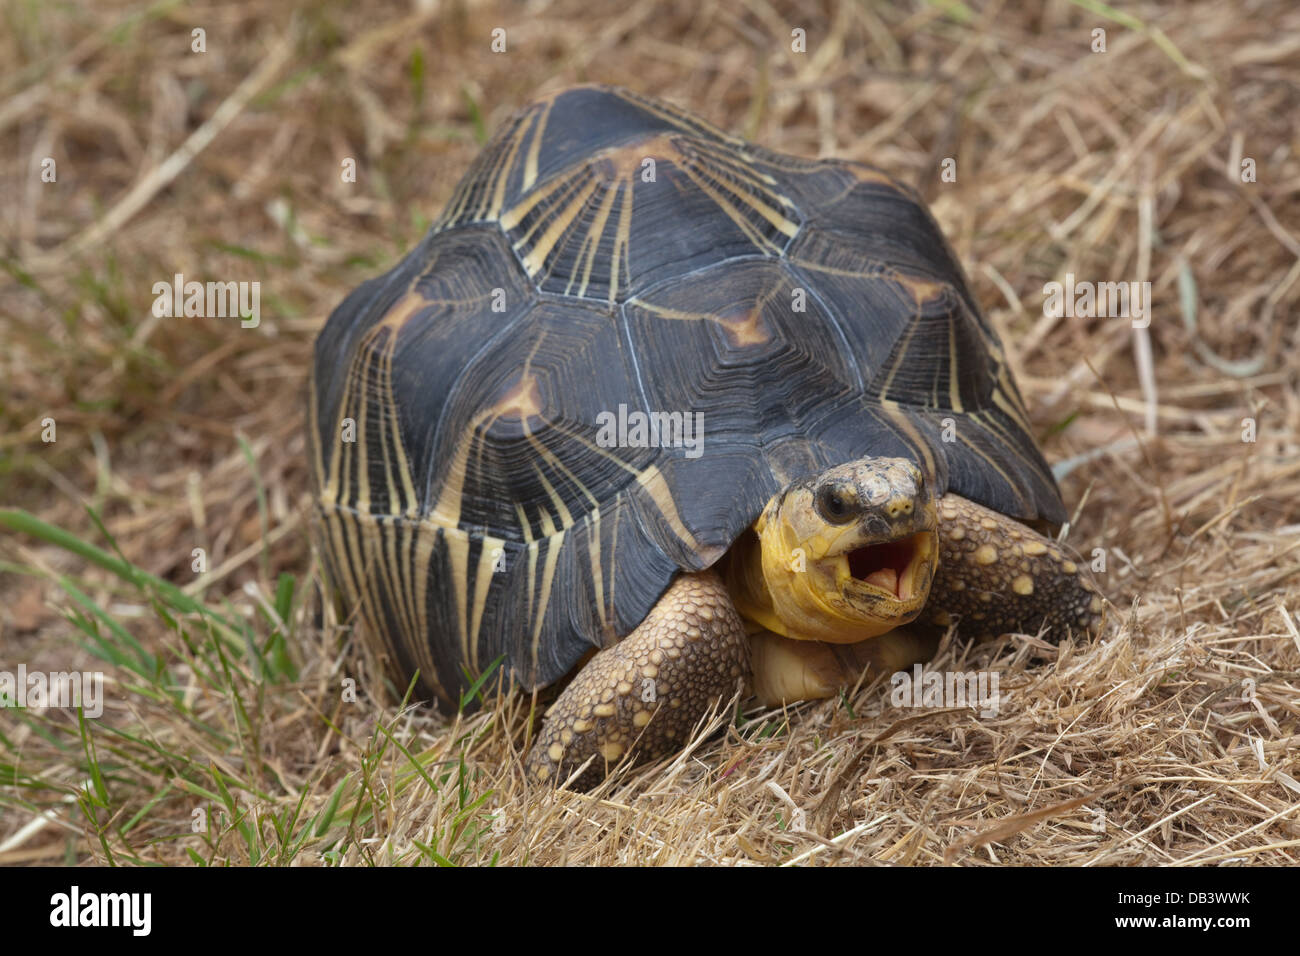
1141, 748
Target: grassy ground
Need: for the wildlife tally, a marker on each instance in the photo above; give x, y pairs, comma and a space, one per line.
224, 737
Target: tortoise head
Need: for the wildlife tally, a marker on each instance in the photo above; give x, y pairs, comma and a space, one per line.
849, 553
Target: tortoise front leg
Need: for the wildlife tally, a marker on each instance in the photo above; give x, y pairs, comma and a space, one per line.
649, 690
996, 576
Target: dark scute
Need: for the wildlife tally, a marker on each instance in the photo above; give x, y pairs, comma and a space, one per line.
659, 245
1024, 488
716, 496
571, 355
336, 345
582, 611
940, 344
904, 347
587, 119
889, 227
700, 207
741, 356
464, 269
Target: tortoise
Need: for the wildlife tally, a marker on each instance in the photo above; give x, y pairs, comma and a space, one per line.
671, 415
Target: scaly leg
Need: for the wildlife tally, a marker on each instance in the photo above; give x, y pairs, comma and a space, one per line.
649, 690
997, 575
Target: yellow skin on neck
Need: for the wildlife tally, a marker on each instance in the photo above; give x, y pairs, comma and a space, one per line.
795, 579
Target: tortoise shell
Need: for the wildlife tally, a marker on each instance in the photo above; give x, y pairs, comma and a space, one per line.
609, 254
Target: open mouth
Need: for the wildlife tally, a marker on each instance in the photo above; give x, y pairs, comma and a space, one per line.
891, 566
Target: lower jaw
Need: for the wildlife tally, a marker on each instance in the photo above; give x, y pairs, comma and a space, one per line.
853, 623
853, 630
808, 618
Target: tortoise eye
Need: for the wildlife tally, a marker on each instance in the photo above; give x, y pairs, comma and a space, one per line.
833, 505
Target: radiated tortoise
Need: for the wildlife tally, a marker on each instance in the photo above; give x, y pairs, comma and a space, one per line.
729, 417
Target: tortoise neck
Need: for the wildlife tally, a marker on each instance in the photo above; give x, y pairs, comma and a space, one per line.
742, 572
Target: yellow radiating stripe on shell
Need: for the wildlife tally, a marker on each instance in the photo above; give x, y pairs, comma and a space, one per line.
992, 464
446, 514
900, 350
505, 167
917, 441
774, 217
682, 120
532, 577
427, 537
536, 257
1012, 447
359, 461
553, 545
593, 238
446, 511
1005, 397
407, 535
354, 536
331, 521
399, 464
457, 542
455, 206
566, 519
653, 481
394, 320
597, 572
334, 486
546, 215
613, 571
546, 521
524, 526
482, 582
555, 462
622, 241
388, 535
750, 231
513, 216
358, 535
742, 164
954, 380
739, 333
534, 147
